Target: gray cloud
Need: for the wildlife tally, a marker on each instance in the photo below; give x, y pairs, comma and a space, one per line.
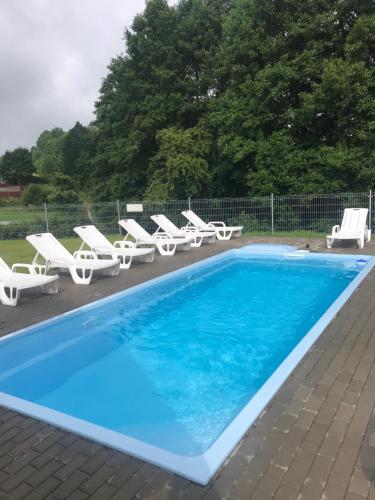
53, 56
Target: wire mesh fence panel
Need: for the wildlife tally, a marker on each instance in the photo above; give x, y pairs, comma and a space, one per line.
315, 213
171, 209
252, 213
18, 222
63, 218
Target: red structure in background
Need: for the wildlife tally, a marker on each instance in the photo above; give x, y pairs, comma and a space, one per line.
8, 191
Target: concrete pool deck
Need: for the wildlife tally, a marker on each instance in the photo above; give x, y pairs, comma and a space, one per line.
315, 440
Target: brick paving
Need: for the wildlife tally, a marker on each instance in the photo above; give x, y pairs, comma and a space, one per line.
315, 440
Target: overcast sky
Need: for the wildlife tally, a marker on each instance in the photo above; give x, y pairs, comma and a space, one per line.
53, 55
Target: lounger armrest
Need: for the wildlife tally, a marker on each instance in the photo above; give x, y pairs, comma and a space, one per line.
335, 229
189, 229
19, 266
85, 254
163, 235
216, 223
39, 269
124, 244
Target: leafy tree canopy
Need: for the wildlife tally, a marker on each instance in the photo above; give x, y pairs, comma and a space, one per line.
229, 98
48, 152
16, 167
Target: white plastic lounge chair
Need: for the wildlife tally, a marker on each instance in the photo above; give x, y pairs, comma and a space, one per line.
353, 227
122, 250
164, 242
223, 232
81, 264
12, 282
197, 237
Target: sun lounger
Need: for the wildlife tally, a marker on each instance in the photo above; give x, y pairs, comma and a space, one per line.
81, 265
223, 232
197, 237
12, 282
164, 242
353, 227
125, 251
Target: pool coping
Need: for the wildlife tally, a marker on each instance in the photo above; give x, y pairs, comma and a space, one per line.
201, 468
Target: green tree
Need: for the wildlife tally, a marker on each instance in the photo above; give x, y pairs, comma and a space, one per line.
181, 167
16, 167
297, 108
78, 148
165, 79
48, 152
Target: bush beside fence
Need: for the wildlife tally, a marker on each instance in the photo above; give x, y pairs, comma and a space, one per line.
312, 213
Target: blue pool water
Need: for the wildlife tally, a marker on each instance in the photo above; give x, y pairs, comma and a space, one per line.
172, 364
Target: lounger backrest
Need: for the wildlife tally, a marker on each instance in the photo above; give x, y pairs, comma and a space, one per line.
195, 220
4, 268
49, 247
134, 229
92, 237
354, 219
166, 224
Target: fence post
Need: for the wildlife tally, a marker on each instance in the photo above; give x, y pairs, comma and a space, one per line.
272, 215
369, 212
46, 217
118, 214
189, 203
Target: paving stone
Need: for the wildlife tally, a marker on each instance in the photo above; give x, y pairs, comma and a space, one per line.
133, 486
335, 488
70, 485
45, 489
104, 492
97, 479
271, 480
44, 473
295, 477
360, 481
286, 493
66, 469
317, 433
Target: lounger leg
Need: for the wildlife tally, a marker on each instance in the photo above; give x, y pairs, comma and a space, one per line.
184, 248
9, 295
148, 257
50, 288
111, 271
197, 241
361, 242
237, 234
81, 275
329, 242
223, 234
125, 261
166, 248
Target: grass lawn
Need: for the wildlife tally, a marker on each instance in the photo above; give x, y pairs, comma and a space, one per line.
13, 251
287, 234
14, 215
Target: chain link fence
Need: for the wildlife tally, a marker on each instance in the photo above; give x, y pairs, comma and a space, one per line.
313, 213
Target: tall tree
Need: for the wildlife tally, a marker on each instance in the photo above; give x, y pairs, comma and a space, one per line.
298, 104
48, 152
165, 79
16, 167
77, 150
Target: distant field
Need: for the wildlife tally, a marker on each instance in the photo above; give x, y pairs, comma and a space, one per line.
14, 215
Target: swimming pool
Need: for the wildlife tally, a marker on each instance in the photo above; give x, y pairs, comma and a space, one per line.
174, 371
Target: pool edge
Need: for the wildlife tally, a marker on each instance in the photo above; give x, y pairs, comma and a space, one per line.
201, 468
